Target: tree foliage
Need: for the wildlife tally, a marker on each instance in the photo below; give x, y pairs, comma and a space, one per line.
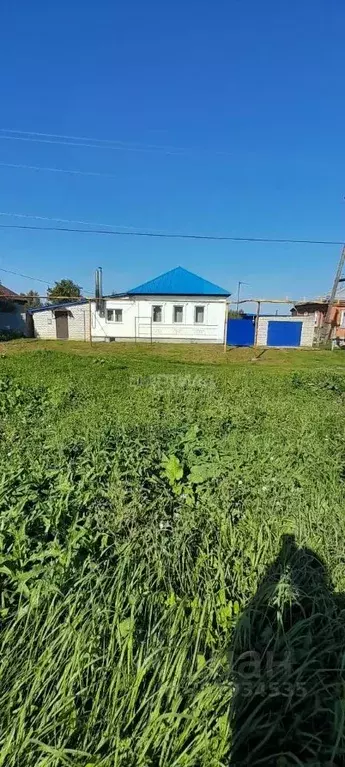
233, 314
32, 299
64, 288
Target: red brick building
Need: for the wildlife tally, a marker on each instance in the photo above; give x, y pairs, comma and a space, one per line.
318, 308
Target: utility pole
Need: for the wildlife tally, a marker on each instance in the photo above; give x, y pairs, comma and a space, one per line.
238, 293
327, 325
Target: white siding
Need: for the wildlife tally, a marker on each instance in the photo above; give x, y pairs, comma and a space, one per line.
103, 330
44, 324
307, 335
262, 332
78, 323
308, 331
137, 320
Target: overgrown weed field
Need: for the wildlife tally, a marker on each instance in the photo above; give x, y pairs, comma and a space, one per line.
171, 557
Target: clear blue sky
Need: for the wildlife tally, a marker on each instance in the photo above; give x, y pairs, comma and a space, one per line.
253, 91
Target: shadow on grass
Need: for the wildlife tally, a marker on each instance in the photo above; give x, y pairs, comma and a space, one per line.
258, 356
287, 661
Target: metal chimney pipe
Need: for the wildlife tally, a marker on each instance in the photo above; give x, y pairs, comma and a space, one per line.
96, 283
100, 281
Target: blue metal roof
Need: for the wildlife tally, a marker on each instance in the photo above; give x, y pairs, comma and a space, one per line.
56, 306
179, 281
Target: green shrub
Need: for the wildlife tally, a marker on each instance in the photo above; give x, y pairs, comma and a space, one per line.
10, 335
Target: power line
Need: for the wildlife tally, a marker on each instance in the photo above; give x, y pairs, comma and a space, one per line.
167, 235
58, 170
116, 142
60, 135
135, 231
35, 279
98, 143
72, 221
91, 144
27, 276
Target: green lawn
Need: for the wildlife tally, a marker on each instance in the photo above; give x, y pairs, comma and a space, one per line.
203, 354
172, 528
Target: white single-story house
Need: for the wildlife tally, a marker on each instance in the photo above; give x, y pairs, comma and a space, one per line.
177, 306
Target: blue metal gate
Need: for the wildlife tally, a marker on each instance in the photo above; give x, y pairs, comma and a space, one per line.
240, 332
284, 333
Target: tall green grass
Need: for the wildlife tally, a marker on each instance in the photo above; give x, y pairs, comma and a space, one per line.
141, 524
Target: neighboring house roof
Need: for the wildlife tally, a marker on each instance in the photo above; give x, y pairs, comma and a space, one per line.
179, 281
51, 307
7, 293
316, 303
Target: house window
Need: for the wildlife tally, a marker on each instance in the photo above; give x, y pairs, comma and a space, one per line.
342, 320
156, 314
114, 315
178, 314
199, 315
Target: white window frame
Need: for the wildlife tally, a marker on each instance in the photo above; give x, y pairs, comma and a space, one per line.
178, 306
157, 306
113, 312
200, 306
342, 319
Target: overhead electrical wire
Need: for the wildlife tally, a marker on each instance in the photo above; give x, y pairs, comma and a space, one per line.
116, 142
167, 235
26, 276
73, 221
58, 170
91, 145
40, 134
34, 279
97, 143
111, 229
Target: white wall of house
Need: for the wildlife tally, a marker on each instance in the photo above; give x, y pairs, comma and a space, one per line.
134, 319
44, 324
307, 335
78, 323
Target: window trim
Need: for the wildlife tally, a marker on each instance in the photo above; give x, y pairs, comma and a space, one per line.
178, 306
156, 306
113, 311
203, 307
342, 319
